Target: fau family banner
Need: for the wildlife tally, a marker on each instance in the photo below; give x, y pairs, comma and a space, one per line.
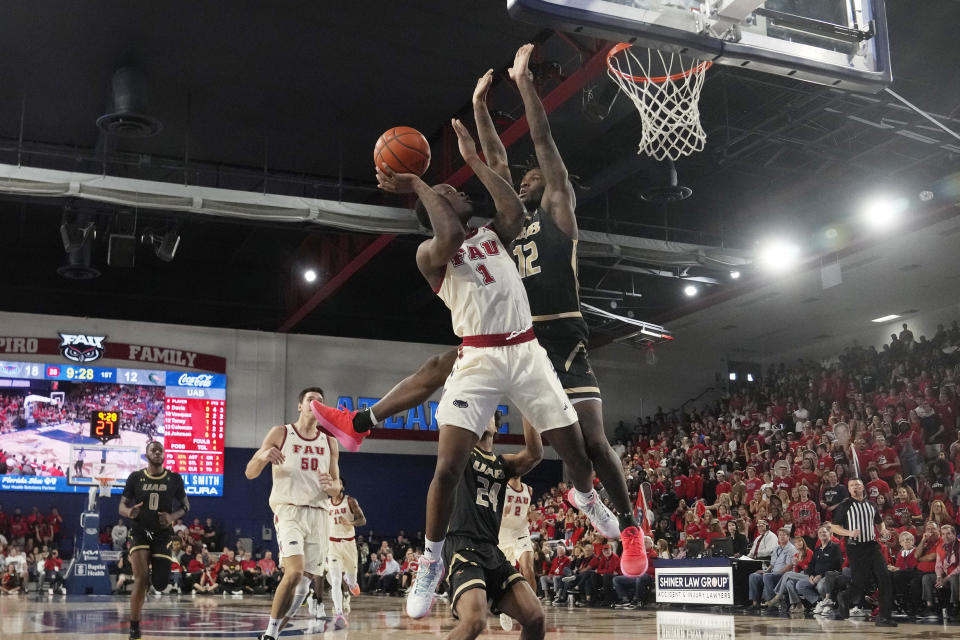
85, 348
695, 581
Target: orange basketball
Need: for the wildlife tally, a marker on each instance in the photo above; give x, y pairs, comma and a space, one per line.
403, 149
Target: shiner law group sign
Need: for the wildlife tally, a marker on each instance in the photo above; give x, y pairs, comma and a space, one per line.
694, 582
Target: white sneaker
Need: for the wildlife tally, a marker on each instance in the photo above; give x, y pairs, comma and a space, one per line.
312, 606
506, 622
340, 622
346, 603
857, 612
422, 592
321, 612
600, 517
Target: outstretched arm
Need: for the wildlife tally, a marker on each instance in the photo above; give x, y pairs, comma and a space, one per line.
448, 232
490, 143
510, 211
558, 196
518, 464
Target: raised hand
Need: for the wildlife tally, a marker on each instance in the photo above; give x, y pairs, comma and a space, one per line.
468, 148
393, 182
521, 64
483, 86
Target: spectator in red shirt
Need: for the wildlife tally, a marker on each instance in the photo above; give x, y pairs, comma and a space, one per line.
907, 583
888, 462
806, 517
906, 511
876, 486
559, 568
722, 485
752, 483
55, 520
608, 568
52, 572
196, 531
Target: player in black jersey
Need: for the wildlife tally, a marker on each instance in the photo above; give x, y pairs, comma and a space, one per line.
478, 574
149, 498
546, 253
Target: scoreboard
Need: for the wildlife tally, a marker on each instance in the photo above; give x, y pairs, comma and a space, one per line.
76, 424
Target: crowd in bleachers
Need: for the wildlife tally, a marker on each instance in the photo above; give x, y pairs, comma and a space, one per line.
29, 549
756, 474
771, 459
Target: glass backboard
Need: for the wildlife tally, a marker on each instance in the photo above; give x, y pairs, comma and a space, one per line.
840, 43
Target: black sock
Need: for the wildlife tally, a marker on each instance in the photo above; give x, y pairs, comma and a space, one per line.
362, 422
134, 625
627, 520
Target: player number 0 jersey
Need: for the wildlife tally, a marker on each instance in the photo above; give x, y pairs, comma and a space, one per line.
297, 480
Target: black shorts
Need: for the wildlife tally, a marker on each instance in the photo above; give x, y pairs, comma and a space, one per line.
477, 565
565, 341
157, 541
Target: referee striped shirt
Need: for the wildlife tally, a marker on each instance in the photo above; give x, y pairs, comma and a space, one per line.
861, 515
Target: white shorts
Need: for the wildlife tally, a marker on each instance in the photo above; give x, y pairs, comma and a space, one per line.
343, 554
515, 544
302, 531
482, 376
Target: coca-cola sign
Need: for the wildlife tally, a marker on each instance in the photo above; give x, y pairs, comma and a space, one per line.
200, 380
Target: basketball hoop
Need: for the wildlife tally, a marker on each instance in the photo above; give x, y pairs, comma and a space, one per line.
665, 89
105, 486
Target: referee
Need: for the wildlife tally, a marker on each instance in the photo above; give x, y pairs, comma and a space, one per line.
855, 518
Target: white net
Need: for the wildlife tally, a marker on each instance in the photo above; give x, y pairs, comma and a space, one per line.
665, 88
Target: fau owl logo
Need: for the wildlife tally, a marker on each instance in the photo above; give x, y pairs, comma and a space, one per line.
81, 348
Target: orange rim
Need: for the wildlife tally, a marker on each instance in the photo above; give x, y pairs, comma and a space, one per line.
623, 46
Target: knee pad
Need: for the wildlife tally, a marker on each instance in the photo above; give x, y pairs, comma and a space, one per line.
160, 571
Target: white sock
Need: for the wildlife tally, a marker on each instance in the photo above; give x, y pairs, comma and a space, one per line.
273, 628
303, 590
583, 498
336, 594
350, 580
432, 550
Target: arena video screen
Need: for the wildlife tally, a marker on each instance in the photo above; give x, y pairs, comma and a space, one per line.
64, 427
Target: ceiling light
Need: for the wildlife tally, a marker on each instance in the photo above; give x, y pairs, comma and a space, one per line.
749, 377
733, 376
778, 255
882, 212
888, 318
690, 290
75, 236
310, 275
734, 275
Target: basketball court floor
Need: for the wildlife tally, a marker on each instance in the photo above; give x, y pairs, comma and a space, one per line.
172, 617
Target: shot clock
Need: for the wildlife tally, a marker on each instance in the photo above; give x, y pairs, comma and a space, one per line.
104, 426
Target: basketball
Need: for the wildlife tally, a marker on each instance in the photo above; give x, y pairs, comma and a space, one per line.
403, 149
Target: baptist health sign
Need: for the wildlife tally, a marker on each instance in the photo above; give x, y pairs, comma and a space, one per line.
693, 584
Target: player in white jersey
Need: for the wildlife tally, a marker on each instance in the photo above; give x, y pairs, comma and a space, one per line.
515, 529
473, 273
515, 540
345, 514
306, 472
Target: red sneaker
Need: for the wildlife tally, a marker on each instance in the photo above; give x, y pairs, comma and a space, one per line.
338, 423
633, 560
